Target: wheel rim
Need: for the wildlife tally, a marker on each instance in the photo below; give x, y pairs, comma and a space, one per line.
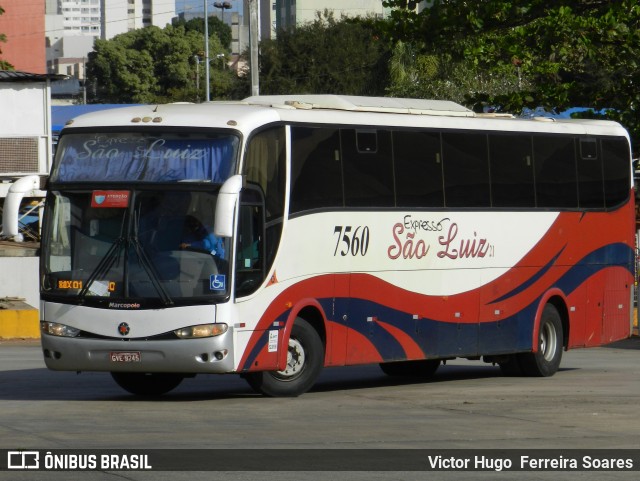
548, 341
295, 361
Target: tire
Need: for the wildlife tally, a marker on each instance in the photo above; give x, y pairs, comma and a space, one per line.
305, 360
425, 368
546, 361
147, 384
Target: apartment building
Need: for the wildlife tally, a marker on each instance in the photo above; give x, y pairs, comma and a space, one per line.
73, 25
289, 13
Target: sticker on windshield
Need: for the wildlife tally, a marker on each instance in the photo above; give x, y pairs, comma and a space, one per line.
218, 282
110, 198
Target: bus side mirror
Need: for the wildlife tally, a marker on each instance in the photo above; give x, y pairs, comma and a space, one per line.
226, 205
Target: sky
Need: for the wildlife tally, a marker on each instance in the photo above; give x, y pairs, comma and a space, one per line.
198, 5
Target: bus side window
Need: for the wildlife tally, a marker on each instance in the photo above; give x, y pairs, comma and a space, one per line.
418, 169
617, 175
466, 170
316, 169
249, 250
264, 167
367, 163
590, 175
555, 171
511, 167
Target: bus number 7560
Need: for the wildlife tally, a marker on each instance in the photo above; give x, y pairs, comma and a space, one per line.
354, 242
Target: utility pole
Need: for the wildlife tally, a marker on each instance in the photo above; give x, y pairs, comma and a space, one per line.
254, 38
207, 74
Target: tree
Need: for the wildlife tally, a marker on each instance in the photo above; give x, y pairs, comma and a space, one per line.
513, 54
216, 27
152, 65
325, 56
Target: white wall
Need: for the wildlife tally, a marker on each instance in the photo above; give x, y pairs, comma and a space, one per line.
23, 106
19, 278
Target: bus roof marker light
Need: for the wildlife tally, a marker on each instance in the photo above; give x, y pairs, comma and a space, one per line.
232, 123
157, 120
136, 120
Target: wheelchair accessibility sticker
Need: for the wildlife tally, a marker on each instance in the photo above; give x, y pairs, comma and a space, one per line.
217, 282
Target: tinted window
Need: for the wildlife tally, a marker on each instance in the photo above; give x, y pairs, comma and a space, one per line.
418, 169
617, 181
590, 180
511, 164
367, 167
555, 171
316, 172
466, 170
265, 167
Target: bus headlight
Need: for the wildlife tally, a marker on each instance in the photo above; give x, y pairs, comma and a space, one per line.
202, 330
55, 329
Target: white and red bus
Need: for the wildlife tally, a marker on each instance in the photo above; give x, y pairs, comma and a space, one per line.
282, 234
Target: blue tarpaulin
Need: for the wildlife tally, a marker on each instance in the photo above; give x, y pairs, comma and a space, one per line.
60, 114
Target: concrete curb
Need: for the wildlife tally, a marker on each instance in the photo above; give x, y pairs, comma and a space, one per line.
18, 320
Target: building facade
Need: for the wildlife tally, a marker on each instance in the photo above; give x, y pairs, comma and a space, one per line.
72, 26
23, 25
289, 13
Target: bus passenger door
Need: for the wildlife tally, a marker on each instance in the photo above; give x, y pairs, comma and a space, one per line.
338, 325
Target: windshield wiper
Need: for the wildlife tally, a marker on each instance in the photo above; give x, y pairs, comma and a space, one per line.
148, 267
104, 265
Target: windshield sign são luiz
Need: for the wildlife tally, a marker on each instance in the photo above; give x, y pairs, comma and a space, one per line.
129, 241
142, 157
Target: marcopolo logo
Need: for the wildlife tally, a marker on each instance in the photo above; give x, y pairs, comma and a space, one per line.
23, 460
124, 329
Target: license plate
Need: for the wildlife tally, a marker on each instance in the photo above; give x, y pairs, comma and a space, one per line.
125, 356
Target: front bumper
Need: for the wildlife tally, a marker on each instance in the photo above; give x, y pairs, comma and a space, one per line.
189, 356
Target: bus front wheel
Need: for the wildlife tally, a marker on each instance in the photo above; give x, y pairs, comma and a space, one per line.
546, 361
305, 359
147, 384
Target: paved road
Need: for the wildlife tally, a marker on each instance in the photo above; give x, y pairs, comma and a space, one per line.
591, 403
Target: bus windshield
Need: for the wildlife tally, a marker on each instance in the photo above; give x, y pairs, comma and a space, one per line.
145, 157
153, 245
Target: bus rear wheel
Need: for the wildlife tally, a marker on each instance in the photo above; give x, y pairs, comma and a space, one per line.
147, 384
546, 361
423, 368
305, 359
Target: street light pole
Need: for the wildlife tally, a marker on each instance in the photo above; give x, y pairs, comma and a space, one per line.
222, 6
206, 52
197, 59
